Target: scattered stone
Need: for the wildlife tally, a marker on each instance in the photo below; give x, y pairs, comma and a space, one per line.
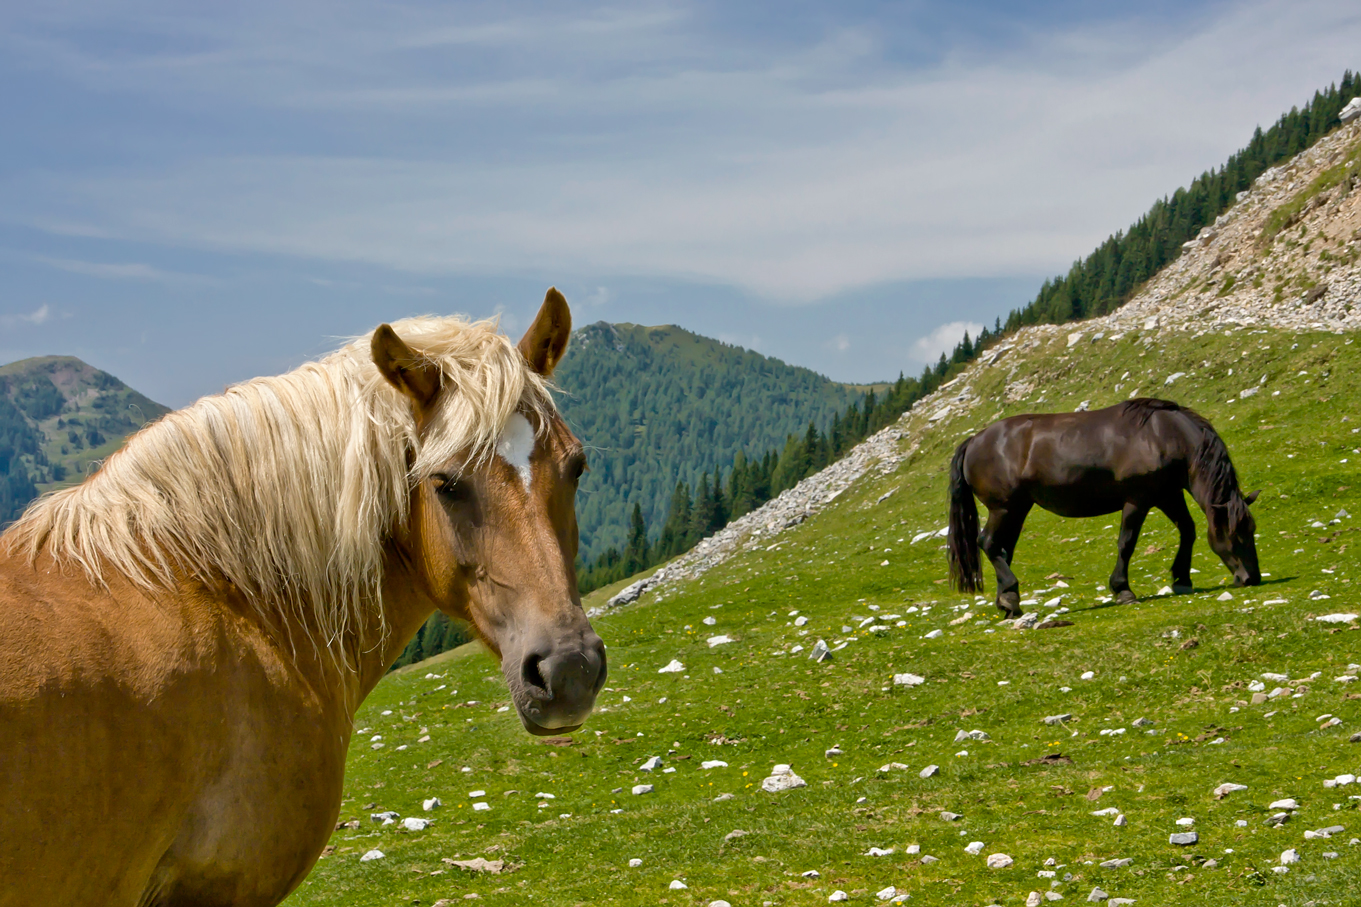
879, 852
1088, 675
927, 859
1224, 790
1335, 618
1186, 822
677, 885
1121, 821
431, 804
672, 667
713, 763
719, 903
635, 863
1278, 819
372, 855
1287, 803
974, 848
1290, 856
838, 895
929, 772
781, 778
1117, 864
411, 823
821, 652
1184, 838
1033, 899
1225, 596
639, 789
948, 816
812, 874
652, 763
908, 680
999, 861
934, 634
1097, 896
479, 864
887, 894
720, 640
1026, 621
834, 751
1058, 719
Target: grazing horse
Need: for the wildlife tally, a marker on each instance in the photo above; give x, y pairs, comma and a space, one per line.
1127, 458
186, 636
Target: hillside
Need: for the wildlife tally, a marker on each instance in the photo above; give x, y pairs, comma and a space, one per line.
58, 416
658, 405
1169, 712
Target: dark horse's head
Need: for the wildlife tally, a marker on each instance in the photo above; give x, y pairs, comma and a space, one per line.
1232, 530
1233, 536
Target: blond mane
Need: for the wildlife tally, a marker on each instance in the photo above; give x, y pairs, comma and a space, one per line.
288, 486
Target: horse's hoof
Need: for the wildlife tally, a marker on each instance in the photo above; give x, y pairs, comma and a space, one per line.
1182, 590
1009, 603
1125, 597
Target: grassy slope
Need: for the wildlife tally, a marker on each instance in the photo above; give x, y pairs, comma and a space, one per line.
772, 707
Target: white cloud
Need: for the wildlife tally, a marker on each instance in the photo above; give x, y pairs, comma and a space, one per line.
109, 271
636, 144
35, 317
943, 339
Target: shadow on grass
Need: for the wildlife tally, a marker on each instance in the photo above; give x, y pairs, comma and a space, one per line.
1238, 590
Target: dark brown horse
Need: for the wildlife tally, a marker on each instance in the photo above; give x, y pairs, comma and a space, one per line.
1127, 458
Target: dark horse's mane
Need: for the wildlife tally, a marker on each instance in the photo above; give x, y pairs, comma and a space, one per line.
1214, 469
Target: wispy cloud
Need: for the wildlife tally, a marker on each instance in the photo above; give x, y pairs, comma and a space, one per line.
942, 340
597, 141
35, 317
111, 271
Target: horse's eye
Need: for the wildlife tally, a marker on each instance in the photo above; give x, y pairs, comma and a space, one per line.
452, 489
576, 468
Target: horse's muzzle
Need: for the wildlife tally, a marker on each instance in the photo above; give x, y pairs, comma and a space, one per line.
558, 683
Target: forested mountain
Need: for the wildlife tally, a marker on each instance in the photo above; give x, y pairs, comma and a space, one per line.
57, 416
660, 405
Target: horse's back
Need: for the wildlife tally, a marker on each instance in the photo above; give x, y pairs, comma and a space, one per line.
121, 729
1079, 463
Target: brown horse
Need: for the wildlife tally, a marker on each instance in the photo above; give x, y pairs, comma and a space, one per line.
1127, 458
185, 637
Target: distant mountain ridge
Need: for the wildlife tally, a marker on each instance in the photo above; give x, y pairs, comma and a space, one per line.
59, 416
660, 405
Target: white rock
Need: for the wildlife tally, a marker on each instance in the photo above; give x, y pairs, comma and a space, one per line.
674, 667
1033, 899
782, 778
481, 807
838, 895
1225, 596
714, 763
1290, 856
1287, 803
999, 861
1108, 811
887, 894
929, 772
677, 885
720, 640
934, 634
1088, 675
1336, 618
652, 764
812, 874
1224, 790
432, 803
1121, 821
974, 848
635, 863
709, 621
800, 621
411, 823
642, 789
908, 680
371, 855
879, 852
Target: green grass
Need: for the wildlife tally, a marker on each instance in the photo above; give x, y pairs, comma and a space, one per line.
769, 706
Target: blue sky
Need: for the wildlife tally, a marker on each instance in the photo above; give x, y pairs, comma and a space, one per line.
193, 194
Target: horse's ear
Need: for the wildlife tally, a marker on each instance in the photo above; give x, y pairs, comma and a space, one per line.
407, 370
1252, 497
546, 340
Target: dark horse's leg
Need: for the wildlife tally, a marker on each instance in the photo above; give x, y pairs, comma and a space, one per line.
998, 541
1131, 522
1175, 508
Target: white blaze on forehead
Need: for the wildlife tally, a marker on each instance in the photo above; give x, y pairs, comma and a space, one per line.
516, 445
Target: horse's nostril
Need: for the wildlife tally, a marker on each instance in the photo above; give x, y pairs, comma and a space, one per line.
533, 675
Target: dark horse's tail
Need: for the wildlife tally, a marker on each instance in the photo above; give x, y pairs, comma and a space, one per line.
961, 549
